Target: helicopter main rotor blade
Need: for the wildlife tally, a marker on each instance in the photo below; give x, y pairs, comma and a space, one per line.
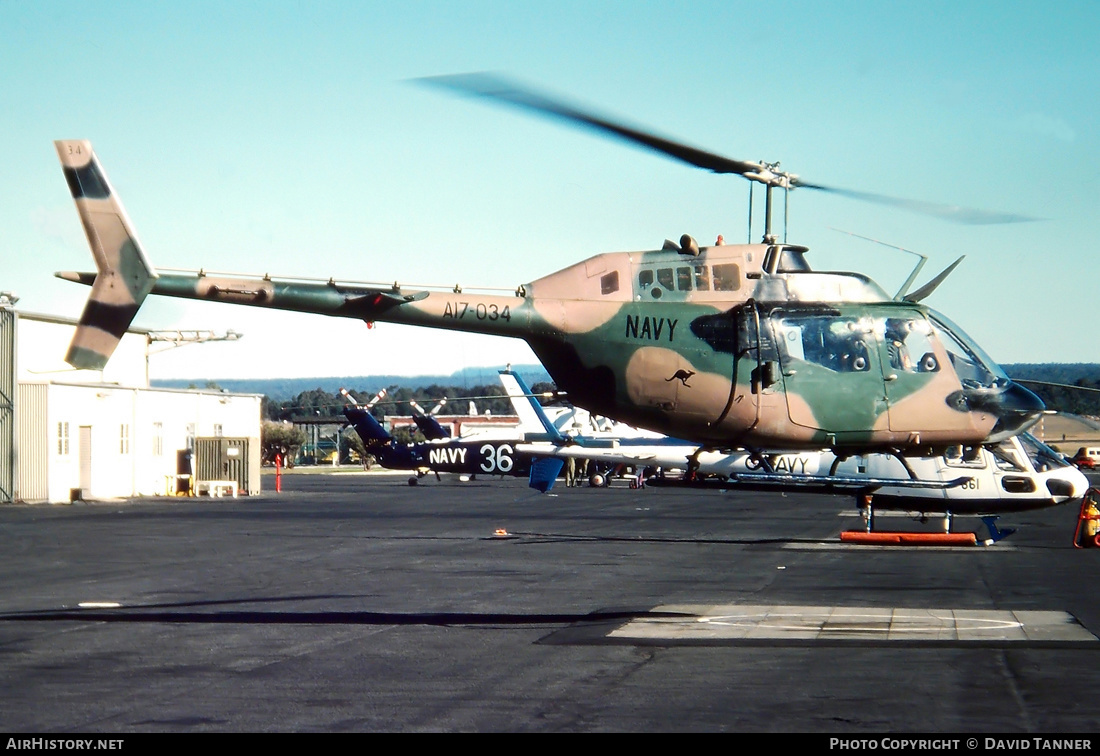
496, 88
954, 213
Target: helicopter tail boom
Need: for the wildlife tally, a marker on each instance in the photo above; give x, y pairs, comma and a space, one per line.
124, 277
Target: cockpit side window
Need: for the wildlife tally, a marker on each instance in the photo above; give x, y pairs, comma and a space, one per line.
909, 345
683, 279
1004, 454
609, 283
835, 342
964, 456
702, 278
690, 277
727, 277
664, 277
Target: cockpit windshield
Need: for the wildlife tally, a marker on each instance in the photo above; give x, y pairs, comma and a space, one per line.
973, 366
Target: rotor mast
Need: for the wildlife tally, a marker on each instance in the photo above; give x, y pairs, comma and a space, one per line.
771, 177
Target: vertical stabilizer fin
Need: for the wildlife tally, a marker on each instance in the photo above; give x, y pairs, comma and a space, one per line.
368, 428
124, 276
429, 427
544, 473
532, 418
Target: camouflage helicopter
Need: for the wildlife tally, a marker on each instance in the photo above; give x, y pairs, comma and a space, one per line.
739, 345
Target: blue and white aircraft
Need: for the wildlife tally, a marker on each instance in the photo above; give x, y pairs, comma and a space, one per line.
1017, 474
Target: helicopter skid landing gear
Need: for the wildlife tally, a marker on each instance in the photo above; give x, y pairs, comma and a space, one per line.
870, 536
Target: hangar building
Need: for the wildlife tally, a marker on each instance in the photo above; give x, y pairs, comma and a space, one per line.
70, 434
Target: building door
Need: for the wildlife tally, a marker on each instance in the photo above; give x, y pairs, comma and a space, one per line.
85, 459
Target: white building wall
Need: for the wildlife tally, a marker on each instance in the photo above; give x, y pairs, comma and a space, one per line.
126, 458
183, 416
122, 464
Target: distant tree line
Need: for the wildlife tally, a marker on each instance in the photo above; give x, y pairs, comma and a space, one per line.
320, 403
1064, 387
280, 437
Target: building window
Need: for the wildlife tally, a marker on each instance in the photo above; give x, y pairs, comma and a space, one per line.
218, 430
63, 439
124, 439
158, 439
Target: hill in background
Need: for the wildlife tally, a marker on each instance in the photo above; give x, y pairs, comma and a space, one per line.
282, 389
1055, 372
1072, 388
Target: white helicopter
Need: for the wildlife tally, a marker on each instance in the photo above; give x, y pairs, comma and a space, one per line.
1016, 474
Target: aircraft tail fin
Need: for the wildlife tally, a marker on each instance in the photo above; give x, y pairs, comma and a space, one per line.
532, 417
368, 428
431, 428
124, 275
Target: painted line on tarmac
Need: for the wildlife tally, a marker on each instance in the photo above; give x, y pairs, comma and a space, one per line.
835, 623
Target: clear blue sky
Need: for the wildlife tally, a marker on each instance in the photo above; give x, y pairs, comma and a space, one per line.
285, 137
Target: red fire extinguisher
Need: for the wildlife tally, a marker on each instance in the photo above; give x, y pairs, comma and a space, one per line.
1088, 521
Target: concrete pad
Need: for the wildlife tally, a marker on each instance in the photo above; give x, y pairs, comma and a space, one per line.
844, 624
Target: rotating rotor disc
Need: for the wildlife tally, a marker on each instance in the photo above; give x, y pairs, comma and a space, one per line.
504, 91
